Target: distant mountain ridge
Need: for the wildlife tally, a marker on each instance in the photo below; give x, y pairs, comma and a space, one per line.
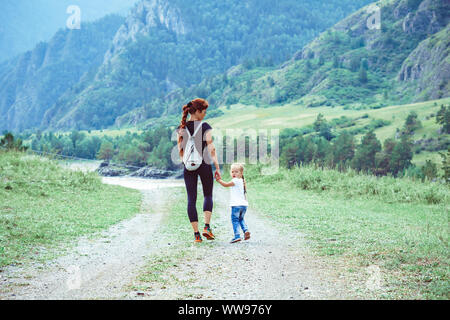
164, 45
405, 60
31, 82
167, 52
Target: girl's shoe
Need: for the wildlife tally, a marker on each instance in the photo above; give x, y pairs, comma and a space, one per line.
247, 235
234, 240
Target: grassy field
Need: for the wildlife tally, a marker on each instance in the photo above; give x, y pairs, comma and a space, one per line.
399, 225
357, 221
43, 205
297, 116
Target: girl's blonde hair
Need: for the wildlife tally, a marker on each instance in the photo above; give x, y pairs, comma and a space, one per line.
240, 167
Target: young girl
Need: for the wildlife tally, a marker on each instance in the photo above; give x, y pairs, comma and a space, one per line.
238, 201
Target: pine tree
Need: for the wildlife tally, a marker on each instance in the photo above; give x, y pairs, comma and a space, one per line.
364, 159
401, 156
362, 76
443, 118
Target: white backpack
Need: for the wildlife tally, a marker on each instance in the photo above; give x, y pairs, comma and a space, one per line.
192, 159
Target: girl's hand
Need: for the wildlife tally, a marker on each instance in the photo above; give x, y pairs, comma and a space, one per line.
217, 175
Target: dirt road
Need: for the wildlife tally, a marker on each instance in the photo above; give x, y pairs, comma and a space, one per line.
274, 264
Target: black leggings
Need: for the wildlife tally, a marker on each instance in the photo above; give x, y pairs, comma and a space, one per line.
191, 179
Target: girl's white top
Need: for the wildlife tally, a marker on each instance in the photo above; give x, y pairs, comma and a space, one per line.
237, 197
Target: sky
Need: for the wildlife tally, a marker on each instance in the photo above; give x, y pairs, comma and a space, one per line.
24, 23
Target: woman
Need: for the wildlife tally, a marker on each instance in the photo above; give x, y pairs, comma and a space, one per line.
197, 111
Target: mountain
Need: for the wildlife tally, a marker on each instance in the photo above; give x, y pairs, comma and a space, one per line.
168, 44
31, 82
24, 23
405, 60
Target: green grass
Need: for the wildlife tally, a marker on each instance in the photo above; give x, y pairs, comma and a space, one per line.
398, 224
43, 206
297, 116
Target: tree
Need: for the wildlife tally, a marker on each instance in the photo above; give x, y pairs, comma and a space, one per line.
362, 76
364, 159
106, 151
343, 149
383, 158
401, 155
429, 170
289, 154
355, 63
335, 62
319, 121
325, 131
412, 123
443, 118
446, 165
9, 142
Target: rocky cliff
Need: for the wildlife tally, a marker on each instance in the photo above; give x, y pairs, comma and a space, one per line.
142, 18
426, 71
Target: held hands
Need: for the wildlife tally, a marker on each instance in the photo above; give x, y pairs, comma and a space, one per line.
217, 175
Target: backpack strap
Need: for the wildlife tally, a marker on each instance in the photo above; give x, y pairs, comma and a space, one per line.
196, 131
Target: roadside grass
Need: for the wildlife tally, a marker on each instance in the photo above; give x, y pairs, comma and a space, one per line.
44, 206
399, 225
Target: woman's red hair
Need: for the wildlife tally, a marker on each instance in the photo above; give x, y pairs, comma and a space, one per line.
192, 107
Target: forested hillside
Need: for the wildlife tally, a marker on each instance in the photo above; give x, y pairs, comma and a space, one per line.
31, 82
406, 60
170, 44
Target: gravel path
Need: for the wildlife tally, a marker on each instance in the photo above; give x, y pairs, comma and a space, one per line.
274, 264
99, 268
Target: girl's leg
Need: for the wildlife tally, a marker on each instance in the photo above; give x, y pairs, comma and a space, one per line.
235, 221
242, 223
190, 180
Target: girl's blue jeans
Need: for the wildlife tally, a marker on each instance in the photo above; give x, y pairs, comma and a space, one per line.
237, 219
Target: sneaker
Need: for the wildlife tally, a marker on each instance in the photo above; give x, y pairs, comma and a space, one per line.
247, 235
198, 238
234, 240
208, 234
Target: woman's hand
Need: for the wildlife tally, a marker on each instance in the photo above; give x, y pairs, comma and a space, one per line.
217, 175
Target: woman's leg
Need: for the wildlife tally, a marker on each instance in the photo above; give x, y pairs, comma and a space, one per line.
207, 179
190, 180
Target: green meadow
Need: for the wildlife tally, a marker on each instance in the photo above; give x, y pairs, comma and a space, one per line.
297, 116
399, 225
45, 206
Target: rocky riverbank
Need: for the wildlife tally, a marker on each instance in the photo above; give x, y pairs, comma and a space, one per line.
109, 170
